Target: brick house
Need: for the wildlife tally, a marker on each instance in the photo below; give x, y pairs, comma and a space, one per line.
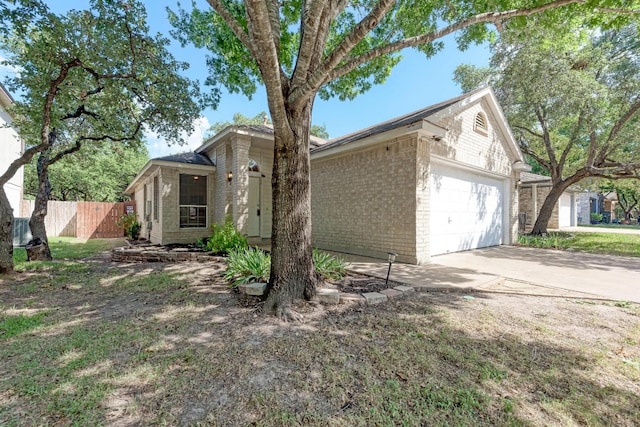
438, 180
565, 211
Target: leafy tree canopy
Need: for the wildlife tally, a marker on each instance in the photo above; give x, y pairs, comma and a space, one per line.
240, 119
87, 77
572, 99
96, 173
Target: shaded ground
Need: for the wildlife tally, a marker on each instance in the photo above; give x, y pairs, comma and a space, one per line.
95, 343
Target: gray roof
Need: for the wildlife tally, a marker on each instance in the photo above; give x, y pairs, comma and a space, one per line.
528, 177
405, 120
190, 157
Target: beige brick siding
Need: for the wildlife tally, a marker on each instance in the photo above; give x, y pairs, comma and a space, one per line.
365, 202
467, 146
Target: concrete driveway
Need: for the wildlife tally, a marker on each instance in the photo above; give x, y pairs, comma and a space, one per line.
604, 276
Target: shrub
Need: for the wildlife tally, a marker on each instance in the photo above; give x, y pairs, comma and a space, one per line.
328, 266
131, 226
596, 217
254, 265
226, 238
247, 265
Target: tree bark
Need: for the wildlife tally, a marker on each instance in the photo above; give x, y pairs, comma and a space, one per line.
36, 222
542, 222
292, 272
6, 233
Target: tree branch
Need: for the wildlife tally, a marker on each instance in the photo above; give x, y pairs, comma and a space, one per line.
326, 75
268, 59
354, 37
234, 25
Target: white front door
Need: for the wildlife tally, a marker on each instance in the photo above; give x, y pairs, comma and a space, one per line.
466, 210
253, 226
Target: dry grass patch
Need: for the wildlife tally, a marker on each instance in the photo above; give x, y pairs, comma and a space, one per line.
149, 344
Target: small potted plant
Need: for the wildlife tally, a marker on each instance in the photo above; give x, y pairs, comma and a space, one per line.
596, 217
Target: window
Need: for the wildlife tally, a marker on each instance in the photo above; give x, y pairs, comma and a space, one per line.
480, 124
193, 201
156, 194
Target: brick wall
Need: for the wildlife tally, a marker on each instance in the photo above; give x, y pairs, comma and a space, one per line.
526, 205
365, 202
467, 146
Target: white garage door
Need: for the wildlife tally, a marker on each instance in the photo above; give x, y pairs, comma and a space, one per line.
466, 210
564, 211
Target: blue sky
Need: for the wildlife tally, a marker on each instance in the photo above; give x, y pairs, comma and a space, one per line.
415, 83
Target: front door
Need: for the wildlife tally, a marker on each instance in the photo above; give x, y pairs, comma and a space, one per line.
253, 226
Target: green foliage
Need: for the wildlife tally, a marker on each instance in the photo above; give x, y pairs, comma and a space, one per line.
131, 225
240, 119
598, 243
226, 238
254, 265
96, 173
328, 266
15, 325
247, 265
596, 216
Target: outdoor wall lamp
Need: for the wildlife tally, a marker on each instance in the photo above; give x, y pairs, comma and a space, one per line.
391, 257
229, 176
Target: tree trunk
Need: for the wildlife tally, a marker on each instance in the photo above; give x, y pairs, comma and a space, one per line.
6, 233
292, 272
36, 222
542, 222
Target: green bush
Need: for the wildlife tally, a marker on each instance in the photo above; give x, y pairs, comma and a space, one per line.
328, 266
596, 217
254, 265
131, 225
247, 265
226, 238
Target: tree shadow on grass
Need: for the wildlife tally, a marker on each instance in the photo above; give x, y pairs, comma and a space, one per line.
150, 344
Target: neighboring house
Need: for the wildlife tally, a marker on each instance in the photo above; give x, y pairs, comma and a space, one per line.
565, 211
12, 148
595, 202
438, 180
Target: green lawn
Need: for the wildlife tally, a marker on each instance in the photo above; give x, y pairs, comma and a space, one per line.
634, 225
64, 248
598, 243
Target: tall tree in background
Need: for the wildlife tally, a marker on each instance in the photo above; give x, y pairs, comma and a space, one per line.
87, 77
628, 193
99, 172
573, 101
301, 49
240, 119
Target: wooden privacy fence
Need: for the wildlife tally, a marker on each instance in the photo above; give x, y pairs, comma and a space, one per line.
85, 220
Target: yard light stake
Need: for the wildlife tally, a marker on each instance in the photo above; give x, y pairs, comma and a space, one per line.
391, 257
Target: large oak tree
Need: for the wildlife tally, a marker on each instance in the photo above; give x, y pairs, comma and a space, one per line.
302, 48
573, 101
86, 77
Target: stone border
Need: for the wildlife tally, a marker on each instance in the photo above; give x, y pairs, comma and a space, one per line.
334, 296
159, 254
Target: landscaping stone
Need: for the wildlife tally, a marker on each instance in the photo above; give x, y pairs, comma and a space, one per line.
391, 293
374, 297
328, 296
255, 289
349, 297
405, 289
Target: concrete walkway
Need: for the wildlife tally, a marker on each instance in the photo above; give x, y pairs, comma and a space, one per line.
518, 270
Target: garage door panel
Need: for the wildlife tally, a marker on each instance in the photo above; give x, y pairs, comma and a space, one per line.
466, 210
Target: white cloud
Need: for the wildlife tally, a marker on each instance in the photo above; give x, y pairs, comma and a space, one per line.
158, 147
